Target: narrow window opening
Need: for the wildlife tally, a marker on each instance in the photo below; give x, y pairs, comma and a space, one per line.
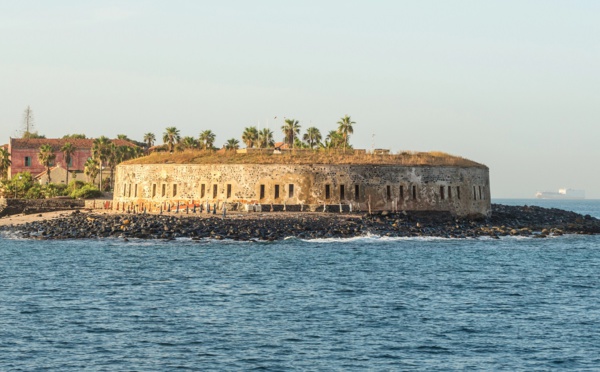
356, 192
442, 192
164, 190
291, 190
135, 190
228, 190
129, 191
28, 161
401, 192
342, 192
480, 194
276, 191
215, 189
458, 192
414, 192
153, 190
124, 189
388, 192
262, 191
174, 190
327, 191
449, 192
474, 193
202, 190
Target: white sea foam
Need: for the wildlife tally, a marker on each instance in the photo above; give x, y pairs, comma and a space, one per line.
373, 238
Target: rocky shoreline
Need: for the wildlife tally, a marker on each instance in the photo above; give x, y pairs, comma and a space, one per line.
528, 221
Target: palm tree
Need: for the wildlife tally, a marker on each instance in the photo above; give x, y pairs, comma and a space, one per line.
333, 140
149, 139
189, 142
312, 137
232, 144
68, 150
100, 152
345, 128
290, 129
46, 158
265, 138
4, 162
91, 169
171, 137
207, 139
125, 152
250, 136
114, 156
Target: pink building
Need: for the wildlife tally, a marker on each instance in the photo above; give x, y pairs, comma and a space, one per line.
24, 151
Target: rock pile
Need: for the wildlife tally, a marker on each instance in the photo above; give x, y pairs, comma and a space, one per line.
506, 220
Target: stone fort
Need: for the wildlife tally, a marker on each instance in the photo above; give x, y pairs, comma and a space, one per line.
461, 188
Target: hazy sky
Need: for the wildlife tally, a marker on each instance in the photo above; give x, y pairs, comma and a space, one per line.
512, 84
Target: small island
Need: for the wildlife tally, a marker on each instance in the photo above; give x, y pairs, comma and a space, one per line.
265, 192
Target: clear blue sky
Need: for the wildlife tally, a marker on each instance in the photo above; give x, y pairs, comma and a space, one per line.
512, 84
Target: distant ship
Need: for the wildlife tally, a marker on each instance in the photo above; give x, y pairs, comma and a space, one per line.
561, 194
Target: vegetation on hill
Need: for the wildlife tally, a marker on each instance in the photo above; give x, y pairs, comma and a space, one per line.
23, 186
322, 156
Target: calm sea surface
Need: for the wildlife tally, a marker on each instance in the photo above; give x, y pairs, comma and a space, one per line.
357, 304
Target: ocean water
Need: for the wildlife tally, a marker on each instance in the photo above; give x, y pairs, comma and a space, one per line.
359, 304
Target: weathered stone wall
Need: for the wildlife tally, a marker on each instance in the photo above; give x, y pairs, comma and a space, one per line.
31, 206
462, 191
98, 204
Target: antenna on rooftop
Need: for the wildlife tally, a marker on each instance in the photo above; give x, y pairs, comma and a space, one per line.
373, 142
28, 122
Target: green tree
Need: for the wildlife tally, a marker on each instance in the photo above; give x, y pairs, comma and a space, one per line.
265, 138
68, 150
74, 136
250, 137
312, 137
4, 162
334, 140
207, 139
91, 169
100, 152
189, 142
149, 139
46, 158
30, 135
125, 152
114, 157
345, 128
171, 137
290, 129
232, 144
18, 186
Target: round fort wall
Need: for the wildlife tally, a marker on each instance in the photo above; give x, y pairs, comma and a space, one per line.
462, 191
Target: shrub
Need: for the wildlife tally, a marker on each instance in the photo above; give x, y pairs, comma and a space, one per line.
86, 192
75, 185
52, 190
35, 192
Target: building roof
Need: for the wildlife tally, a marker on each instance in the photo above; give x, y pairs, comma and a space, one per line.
39, 175
80, 143
281, 146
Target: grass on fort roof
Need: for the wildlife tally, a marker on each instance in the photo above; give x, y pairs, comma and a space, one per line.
433, 158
